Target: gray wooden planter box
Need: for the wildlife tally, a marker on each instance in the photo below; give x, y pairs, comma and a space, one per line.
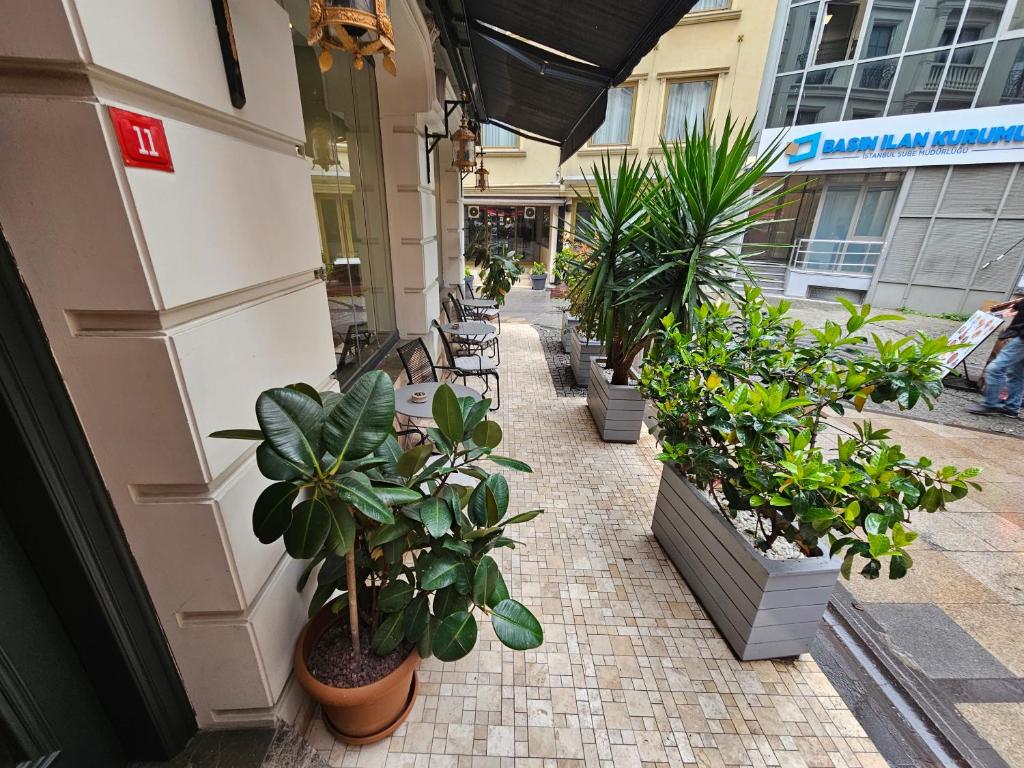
581, 352
569, 324
618, 409
764, 608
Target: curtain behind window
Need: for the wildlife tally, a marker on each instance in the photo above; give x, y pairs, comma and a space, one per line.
687, 106
495, 136
710, 5
617, 118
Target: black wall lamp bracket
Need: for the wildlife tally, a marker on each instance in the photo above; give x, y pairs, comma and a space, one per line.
430, 140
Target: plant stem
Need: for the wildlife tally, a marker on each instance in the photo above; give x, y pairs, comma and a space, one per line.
353, 601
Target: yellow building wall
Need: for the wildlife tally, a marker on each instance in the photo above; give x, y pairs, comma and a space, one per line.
729, 45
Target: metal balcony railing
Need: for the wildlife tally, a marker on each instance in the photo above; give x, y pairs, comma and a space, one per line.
859, 257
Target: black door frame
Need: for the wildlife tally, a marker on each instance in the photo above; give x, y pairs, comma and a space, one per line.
76, 543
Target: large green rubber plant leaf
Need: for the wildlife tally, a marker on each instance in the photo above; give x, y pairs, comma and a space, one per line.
363, 419
455, 636
515, 626
292, 422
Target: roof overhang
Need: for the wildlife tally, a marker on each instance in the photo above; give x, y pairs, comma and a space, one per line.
543, 69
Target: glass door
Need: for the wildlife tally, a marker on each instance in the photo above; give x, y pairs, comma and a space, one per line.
835, 220
851, 226
343, 151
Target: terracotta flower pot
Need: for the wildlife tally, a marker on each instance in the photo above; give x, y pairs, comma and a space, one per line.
360, 715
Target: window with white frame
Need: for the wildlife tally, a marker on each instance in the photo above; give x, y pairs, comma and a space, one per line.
618, 118
686, 107
710, 5
496, 137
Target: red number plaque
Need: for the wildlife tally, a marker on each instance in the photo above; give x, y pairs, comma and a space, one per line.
143, 141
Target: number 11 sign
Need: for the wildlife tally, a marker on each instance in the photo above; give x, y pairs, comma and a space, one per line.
142, 139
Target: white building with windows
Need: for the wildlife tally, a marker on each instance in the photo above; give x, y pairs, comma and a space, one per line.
903, 128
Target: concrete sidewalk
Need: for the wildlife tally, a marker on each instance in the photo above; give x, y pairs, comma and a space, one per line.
957, 618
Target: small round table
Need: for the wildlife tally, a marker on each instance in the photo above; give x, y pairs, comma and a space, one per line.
469, 328
405, 406
479, 303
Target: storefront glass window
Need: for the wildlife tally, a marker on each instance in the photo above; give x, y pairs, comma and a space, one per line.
963, 77
782, 110
917, 83
797, 40
513, 227
824, 94
871, 86
840, 30
935, 23
1004, 83
343, 150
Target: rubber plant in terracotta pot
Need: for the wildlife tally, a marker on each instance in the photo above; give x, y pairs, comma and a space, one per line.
398, 542
765, 496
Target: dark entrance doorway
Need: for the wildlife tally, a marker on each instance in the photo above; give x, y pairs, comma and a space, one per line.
86, 678
49, 713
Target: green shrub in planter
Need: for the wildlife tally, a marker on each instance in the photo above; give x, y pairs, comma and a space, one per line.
743, 402
400, 526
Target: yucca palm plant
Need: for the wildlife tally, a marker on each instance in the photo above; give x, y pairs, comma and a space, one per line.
610, 237
666, 239
700, 204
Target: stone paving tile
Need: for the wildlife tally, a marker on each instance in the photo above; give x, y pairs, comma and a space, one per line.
632, 673
945, 651
1001, 725
999, 631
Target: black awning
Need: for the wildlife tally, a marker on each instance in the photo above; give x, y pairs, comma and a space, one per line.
543, 68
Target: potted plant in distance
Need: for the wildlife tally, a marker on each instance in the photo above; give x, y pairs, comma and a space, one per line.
664, 239
405, 536
467, 278
763, 500
538, 276
500, 271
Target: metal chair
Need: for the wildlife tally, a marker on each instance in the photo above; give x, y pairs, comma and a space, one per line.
469, 366
419, 366
448, 310
485, 314
419, 369
357, 335
487, 342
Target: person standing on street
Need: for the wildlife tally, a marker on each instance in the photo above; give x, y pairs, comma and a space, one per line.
1007, 370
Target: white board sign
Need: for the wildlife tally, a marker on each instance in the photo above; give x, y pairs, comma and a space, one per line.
964, 136
973, 333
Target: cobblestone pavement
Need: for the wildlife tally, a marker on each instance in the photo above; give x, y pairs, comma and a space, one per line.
631, 672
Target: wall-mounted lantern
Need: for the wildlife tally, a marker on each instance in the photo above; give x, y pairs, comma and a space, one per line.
464, 147
463, 139
481, 175
359, 27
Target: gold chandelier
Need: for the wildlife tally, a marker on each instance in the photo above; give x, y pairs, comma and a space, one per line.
360, 27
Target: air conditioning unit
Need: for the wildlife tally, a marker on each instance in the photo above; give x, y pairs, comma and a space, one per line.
473, 211
529, 212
